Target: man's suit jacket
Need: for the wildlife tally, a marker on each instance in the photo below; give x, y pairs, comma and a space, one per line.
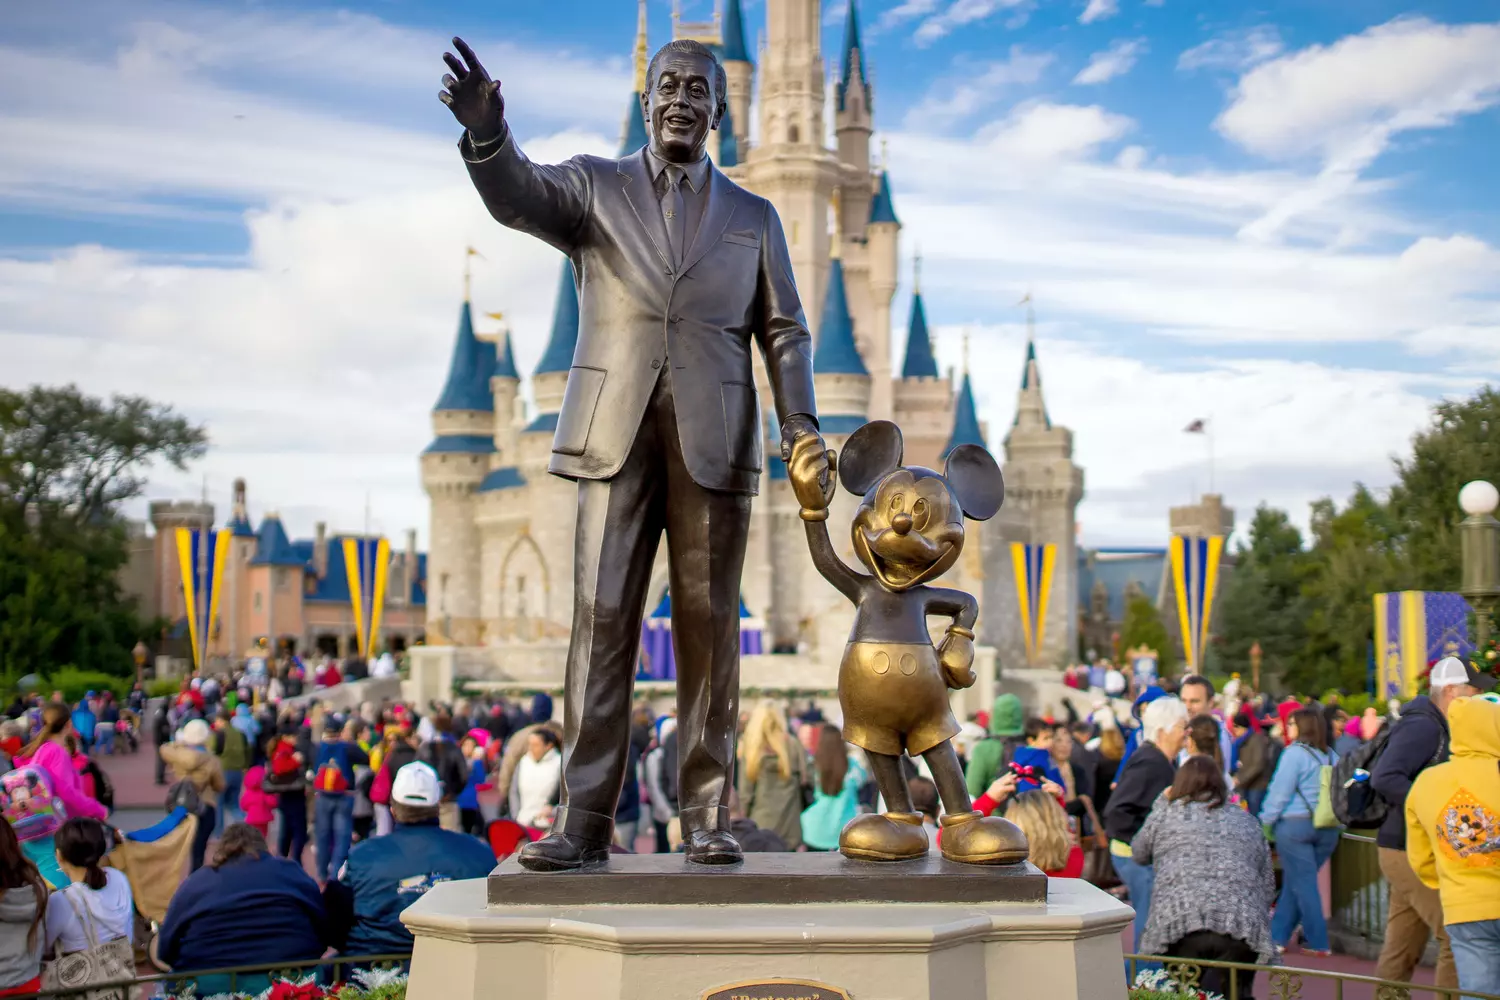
636, 313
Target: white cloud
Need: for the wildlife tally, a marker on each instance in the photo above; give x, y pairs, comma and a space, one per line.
907, 10
1098, 10
977, 87
1043, 132
1117, 60
959, 13
1234, 50
1344, 103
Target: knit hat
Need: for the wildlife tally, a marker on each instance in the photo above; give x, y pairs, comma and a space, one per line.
1008, 717
195, 733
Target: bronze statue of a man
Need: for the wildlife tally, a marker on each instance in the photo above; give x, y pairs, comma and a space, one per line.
679, 269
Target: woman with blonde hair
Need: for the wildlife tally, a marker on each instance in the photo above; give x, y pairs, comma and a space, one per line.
772, 773
1053, 847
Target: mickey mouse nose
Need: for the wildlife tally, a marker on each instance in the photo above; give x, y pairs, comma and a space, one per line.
901, 523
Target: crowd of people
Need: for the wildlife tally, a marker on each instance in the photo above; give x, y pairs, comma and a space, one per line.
315, 828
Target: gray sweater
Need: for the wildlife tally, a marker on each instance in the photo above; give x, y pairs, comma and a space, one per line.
1213, 873
18, 963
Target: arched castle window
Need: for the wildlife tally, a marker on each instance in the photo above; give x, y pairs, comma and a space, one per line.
793, 135
524, 589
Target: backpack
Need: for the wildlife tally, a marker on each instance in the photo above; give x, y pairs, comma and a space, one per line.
1355, 803
184, 795
29, 805
330, 778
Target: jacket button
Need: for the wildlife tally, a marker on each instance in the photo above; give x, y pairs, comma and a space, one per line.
656, 363
674, 319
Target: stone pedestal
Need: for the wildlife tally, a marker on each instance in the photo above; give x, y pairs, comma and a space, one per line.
999, 937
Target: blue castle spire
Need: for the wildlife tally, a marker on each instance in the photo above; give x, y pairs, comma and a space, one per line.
920, 362
558, 357
469, 371
851, 46
729, 146
836, 353
505, 361
965, 420
882, 206
272, 548
734, 47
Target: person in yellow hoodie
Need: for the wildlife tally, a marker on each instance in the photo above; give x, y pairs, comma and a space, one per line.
1453, 839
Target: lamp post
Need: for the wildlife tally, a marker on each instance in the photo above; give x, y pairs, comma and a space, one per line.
1255, 655
140, 652
1480, 538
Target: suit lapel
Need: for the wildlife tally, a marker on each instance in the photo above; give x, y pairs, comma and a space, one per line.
635, 181
715, 219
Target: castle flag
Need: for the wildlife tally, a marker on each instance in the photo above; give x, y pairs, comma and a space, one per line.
200, 557
1195, 579
367, 567
1033, 566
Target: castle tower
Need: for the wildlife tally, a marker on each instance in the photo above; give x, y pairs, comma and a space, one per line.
276, 584
505, 389
236, 600
791, 166
853, 125
923, 403
740, 73
633, 130
1042, 490
453, 466
882, 250
840, 378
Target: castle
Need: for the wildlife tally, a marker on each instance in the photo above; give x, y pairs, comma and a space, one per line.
499, 571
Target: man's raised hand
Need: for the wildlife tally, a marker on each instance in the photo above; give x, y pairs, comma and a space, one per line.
471, 95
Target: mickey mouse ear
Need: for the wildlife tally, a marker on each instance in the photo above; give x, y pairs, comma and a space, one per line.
871, 451
976, 481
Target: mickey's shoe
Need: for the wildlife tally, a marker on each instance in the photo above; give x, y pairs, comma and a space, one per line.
973, 839
884, 837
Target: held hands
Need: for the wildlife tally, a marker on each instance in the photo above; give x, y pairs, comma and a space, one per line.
956, 656
471, 95
810, 465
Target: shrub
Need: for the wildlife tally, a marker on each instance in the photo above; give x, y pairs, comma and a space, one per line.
75, 683
163, 687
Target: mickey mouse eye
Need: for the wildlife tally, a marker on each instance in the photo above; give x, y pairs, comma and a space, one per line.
920, 515
898, 503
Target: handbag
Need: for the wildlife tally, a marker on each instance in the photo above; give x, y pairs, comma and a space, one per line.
1323, 816
111, 962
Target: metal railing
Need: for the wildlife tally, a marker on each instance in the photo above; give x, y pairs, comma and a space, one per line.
1231, 980
327, 970
1360, 893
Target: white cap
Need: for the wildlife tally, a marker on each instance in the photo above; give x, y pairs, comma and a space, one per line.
196, 733
417, 784
1451, 671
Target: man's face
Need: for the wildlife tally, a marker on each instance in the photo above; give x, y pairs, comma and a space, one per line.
1196, 699
681, 107
1452, 693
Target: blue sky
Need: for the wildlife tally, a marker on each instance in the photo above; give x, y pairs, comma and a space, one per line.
1279, 216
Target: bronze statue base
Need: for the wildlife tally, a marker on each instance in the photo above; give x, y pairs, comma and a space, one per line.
771, 879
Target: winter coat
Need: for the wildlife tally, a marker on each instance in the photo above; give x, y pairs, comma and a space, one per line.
992, 755
1419, 740
773, 802
20, 958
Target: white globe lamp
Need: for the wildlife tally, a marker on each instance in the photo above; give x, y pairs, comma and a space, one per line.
1479, 498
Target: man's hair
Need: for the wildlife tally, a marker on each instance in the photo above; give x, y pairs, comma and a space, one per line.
407, 815
1199, 680
240, 840
688, 47
1035, 727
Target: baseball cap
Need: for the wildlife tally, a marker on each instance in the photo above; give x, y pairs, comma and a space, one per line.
417, 784
1450, 671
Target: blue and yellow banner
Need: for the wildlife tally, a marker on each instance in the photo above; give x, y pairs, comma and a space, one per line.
201, 556
1033, 566
1412, 629
367, 563
1195, 579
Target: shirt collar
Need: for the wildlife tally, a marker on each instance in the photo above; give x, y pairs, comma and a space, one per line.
696, 172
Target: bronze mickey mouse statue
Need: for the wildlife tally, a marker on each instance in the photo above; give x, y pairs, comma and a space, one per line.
893, 685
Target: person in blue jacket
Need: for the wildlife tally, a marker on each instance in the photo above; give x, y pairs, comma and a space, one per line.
1290, 808
246, 907
387, 874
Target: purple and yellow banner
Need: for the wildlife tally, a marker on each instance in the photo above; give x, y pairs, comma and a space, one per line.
1412, 629
1195, 579
201, 556
1033, 566
367, 563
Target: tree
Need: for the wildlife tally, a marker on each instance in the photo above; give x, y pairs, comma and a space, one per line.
1263, 600
67, 461
1143, 627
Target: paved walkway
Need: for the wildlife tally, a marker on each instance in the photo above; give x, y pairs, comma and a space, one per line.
139, 803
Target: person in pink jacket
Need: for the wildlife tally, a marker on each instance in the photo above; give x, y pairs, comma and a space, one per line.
49, 753
258, 805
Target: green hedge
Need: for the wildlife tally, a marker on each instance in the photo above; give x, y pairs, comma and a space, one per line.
163, 687
75, 683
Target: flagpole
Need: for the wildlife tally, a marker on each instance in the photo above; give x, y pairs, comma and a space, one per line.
366, 584
202, 570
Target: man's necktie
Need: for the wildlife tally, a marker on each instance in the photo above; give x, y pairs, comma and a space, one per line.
674, 212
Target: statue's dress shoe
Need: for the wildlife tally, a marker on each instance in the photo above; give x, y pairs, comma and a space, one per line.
712, 847
560, 852
884, 837
982, 840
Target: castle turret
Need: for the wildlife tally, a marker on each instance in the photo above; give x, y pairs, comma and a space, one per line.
633, 130
840, 378
550, 378
453, 466
966, 429
923, 399
882, 249
853, 124
505, 388
739, 72
1042, 490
